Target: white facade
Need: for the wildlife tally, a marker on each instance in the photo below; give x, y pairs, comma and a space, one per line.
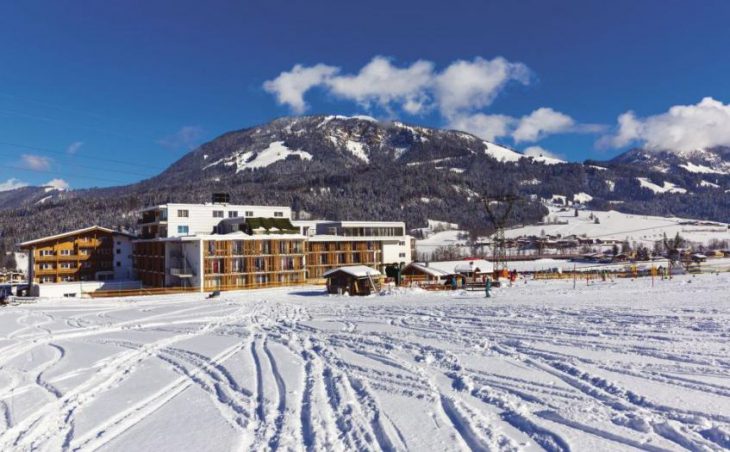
123, 263
79, 288
180, 220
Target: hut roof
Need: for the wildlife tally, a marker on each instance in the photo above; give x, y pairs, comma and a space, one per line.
358, 271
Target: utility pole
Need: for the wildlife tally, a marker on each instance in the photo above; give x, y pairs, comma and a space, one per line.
499, 220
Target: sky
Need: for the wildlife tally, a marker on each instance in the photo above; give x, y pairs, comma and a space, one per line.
108, 93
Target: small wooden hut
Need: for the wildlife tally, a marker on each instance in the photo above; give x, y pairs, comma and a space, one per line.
353, 280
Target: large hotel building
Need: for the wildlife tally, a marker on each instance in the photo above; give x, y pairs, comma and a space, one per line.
222, 246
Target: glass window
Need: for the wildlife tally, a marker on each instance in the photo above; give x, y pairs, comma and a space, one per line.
183, 229
232, 214
217, 214
182, 213
249, 213
278, 214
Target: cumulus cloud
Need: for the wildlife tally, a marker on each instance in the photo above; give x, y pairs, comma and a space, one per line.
35, 162
414, 88
529, 128
488, 127
74, 147
458, 93
469, 85
681, 128
538, 151
186, 138
289, 87
58, 184
12, 184
541, 122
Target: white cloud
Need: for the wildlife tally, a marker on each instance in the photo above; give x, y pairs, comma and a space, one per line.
381, 83
457, 93
532, 127
541, 122
681, 128
469, 85
290, 87
186, 138
416, 88
488, 127
12, 184
74, 147
540, 152
58, 184
35, 162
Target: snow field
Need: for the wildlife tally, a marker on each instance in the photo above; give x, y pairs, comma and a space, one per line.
616, 365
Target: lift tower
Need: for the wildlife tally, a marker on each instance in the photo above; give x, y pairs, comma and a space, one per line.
499, 220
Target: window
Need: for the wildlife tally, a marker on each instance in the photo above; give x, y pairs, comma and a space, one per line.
249, 213
182, 213
46, 252
401, 243
278, 214
67, 265
119, 264
65, 252
46, 266
183, 229
47, 279
232, 214
402, 255
217, 214
119, 251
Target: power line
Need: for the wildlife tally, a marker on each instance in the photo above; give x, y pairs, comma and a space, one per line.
59, 173
53, 151
99, 168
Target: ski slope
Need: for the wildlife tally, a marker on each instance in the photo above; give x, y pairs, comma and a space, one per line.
610, 366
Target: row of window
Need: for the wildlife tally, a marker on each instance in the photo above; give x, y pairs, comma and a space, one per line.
258, 247
184, 213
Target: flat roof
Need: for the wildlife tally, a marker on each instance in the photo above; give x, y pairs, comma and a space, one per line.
238, 235
210, 204
76, 232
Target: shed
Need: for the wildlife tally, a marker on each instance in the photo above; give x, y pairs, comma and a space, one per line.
354, 280
424, 271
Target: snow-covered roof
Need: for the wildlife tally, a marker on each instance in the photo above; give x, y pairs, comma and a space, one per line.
358, 271
451, 267
76, 232
429, 270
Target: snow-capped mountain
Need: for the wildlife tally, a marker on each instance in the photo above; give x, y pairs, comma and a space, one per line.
353, 168
713, 161
338, 141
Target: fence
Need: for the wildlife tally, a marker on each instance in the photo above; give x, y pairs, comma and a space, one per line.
182, 290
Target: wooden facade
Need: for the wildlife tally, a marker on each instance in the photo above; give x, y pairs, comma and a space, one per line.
248, 264
149, 263
327, 255
82, 255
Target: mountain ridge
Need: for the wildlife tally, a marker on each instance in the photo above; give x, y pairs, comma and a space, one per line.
338, 167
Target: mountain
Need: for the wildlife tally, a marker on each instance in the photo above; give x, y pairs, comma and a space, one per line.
358, 168
712, 161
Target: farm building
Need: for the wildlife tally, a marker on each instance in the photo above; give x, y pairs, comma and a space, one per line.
353, 280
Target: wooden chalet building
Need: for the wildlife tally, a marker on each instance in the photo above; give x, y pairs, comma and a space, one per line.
90, 254
353, 280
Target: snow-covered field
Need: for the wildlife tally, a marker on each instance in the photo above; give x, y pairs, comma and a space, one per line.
611, 366
642, 229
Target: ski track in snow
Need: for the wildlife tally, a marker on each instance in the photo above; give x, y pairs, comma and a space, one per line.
540, 366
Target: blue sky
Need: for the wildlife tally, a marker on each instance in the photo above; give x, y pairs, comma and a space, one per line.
106, 93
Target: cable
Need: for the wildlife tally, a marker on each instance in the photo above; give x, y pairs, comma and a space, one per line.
20, 168
99, 168
52, 151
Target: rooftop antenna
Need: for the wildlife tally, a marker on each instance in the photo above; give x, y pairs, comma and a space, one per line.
499, 221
